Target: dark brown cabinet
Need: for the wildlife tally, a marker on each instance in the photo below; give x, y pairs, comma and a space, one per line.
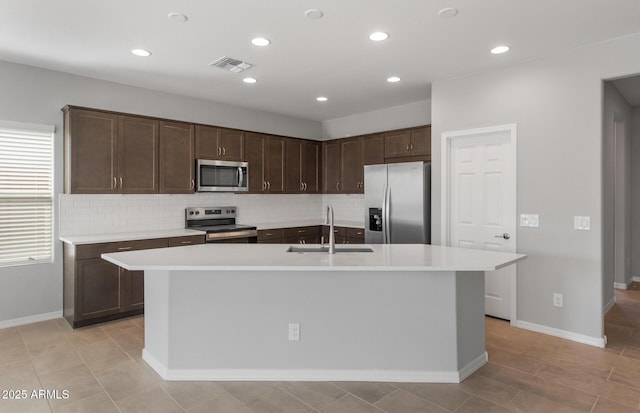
301, 166
110, 153
414, 142
219, 143
331, 167
302, 235
96, 290
177, 158
373, 149
265, 155
271, 236
351, 166
344, 235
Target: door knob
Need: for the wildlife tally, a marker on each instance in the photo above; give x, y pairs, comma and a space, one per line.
505, 236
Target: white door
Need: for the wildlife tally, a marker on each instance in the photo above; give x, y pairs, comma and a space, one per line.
483, 205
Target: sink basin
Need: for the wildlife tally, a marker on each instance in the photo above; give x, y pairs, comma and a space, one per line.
325, 248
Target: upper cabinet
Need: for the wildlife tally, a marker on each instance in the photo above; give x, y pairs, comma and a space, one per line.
373, 149
351, 166
302, 161
110, 153
331, 161
219, 143
265, 155
177, 158
414, 142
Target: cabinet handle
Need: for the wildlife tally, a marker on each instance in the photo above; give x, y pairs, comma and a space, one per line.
301, 186
337, 186
300, 231
268, 185
219, 151
305, 186
268, 234
120, 182
124, 248
224, 151
115, 182
264, 185
193, 184
407, 146
186, 242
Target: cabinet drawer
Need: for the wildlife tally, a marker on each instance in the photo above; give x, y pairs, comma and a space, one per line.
355, 233
271, 235
301, 231
95, 250
337, 231
186, 240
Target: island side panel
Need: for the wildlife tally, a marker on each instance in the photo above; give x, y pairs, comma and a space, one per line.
156, 320
470, 321
393, 325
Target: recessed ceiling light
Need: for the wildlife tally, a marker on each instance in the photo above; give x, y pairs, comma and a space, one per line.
322, 99
249, 80
448, 12
141, 52
178, 17
261, 41
378, 36
500, 49
313, 14
393, 79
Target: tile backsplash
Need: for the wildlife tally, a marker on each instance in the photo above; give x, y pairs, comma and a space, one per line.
103, 214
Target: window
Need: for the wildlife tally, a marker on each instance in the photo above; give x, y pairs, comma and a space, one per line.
26, 193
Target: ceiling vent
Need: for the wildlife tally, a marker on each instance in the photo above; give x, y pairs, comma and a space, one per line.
231, 64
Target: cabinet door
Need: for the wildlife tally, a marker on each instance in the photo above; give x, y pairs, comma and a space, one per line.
421, 141
137, 155
207, 142
134, 288
373, 149
274, 164
99, 290
397, 143
310, 166
254, 147
352, 166
177, 158
293, 166
331, 160
231, 144
90, 152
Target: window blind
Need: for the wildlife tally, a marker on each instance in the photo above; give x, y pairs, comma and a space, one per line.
26, 193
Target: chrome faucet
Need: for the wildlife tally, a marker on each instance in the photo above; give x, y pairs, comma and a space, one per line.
329, 221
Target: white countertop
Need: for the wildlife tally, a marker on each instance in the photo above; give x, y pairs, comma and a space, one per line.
273, 257
181, 232
128, 236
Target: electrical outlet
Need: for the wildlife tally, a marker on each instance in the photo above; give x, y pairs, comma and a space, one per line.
557, 300
582, 223
529, 220
294, 332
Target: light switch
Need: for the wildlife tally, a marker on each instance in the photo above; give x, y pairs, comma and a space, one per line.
529, 220
582, 223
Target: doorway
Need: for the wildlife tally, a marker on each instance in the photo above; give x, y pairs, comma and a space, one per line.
479, 204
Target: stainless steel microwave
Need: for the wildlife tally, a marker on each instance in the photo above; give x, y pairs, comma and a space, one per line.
221, 176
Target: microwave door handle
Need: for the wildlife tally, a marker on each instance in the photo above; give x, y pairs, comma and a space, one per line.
240, 177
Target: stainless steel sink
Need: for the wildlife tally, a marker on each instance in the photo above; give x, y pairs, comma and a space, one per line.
325, 249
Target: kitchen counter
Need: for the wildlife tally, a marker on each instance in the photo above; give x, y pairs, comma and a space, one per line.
127, 236
407, 313
273, 257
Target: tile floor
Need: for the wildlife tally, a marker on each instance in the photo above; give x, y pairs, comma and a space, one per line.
102, 371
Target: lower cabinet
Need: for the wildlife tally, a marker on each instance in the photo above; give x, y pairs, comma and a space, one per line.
96, 290
311, 235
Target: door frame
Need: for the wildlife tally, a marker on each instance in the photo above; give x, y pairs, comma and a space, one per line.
447, 139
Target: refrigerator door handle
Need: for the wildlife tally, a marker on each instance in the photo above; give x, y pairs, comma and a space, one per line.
386, 213
387, 217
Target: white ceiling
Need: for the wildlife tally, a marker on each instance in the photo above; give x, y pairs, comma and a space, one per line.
331, 56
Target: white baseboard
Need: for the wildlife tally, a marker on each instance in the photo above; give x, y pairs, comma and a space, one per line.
30, 319
568, 335
635, 278
622, 286
408, 376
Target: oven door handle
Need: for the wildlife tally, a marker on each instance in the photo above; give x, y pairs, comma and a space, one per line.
239, 176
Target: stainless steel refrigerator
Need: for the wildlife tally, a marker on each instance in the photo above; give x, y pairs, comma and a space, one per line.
397, 201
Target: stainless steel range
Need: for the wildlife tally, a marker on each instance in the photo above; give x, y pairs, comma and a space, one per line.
220, 224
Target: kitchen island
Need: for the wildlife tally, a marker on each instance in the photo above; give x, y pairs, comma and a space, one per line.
411, 313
